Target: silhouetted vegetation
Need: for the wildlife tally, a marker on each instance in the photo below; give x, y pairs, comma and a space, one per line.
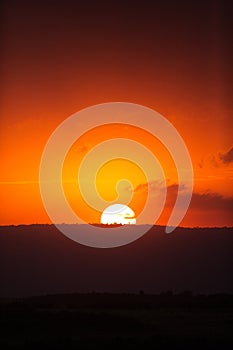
70, 321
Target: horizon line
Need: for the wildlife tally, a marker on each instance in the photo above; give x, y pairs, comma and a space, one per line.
112, 225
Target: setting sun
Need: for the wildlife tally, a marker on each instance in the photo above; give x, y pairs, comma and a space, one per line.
118, 214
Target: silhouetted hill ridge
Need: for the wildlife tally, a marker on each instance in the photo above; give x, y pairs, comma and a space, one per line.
38, 259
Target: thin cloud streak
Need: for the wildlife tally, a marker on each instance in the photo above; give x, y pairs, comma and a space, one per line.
18, 182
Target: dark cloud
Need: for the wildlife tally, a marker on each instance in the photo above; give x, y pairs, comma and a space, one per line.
217, 160
142, 188
227, 157
211, 201
210, 160
201, 201
158, 185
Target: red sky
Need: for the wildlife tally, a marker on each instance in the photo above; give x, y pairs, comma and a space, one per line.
172, 56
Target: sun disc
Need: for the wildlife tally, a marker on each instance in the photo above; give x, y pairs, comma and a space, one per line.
119, 214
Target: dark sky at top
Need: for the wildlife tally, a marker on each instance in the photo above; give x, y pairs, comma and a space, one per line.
168, 43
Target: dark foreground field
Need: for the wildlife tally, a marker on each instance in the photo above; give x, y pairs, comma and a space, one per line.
66, 314
114, 321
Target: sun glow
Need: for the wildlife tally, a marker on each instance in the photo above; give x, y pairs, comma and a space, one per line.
118, 214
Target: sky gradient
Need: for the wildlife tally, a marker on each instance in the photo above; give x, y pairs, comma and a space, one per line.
172, 56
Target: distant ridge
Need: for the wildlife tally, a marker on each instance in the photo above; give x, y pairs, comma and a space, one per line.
38, 259
113, 225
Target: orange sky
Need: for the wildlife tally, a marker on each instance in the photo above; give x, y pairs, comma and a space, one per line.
59, 60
